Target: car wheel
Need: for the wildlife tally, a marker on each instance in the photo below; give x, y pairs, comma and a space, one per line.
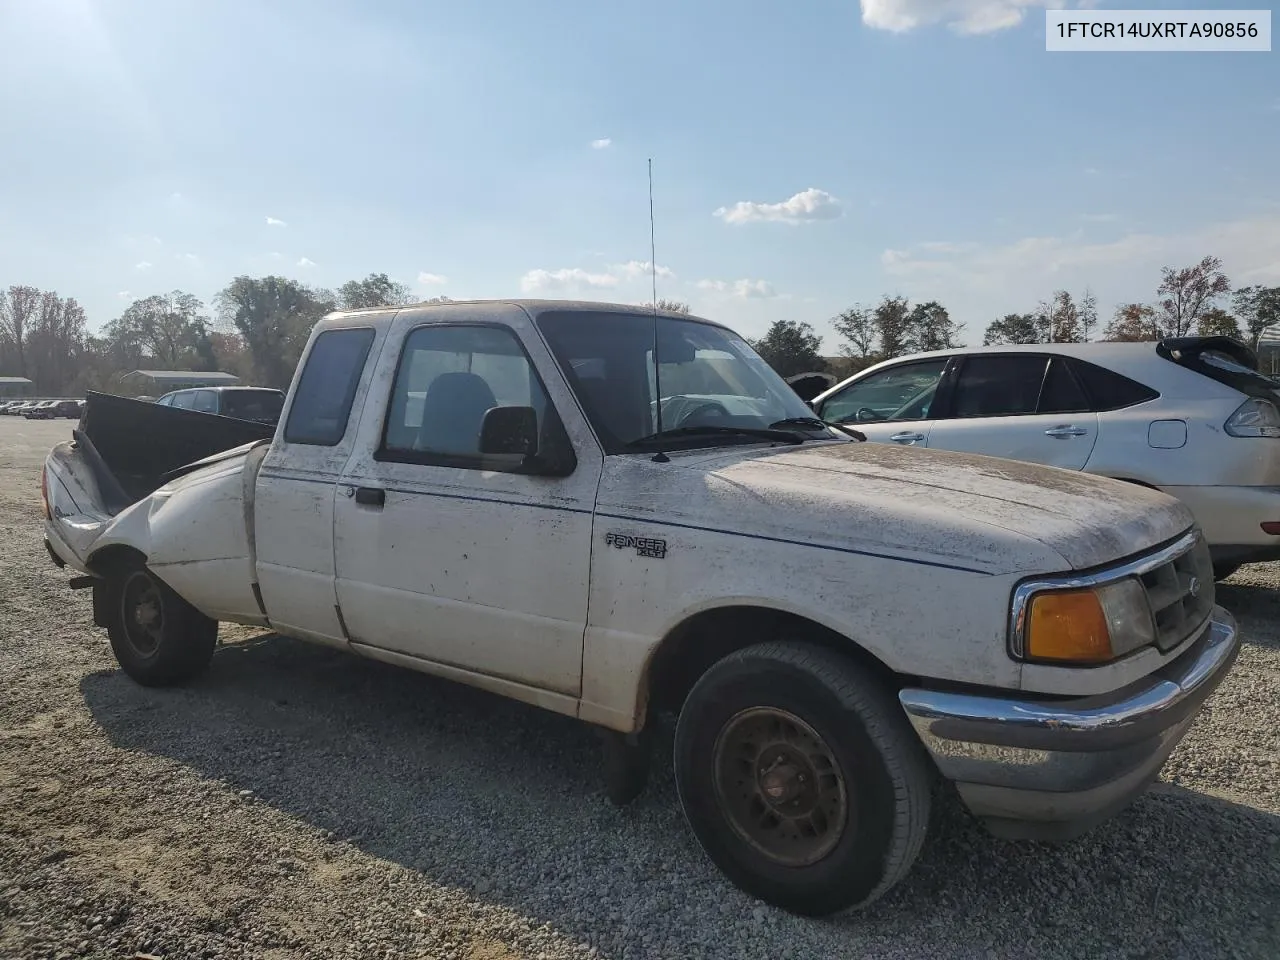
158, 638
801, 778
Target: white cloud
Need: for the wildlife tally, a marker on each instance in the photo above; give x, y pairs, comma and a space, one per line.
274, 222
541, 281
124, 294
189, 258
962, 16
807, 205
571, 278
143, 265
635, 269
306, 262
431, 279
745, 289
602, 144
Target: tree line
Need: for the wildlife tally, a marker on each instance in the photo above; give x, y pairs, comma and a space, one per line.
257, 329
1198, 299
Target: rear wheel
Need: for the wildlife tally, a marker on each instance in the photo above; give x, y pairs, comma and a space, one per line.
158, 638
801, 778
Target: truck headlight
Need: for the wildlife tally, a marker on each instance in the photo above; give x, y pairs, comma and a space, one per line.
1092, 625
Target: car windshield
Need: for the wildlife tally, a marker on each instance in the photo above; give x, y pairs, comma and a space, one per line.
709, 377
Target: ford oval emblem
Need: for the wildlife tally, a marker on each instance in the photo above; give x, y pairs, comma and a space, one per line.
1193, 587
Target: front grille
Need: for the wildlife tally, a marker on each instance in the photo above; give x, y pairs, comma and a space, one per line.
1181, 594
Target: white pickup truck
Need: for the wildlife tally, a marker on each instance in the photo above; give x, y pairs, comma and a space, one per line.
487, 491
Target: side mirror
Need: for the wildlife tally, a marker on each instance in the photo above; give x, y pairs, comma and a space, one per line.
510, 431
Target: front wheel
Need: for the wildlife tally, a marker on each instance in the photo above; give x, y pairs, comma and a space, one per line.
802, 778
158, 638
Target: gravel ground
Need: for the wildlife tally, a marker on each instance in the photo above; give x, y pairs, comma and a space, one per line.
299, 802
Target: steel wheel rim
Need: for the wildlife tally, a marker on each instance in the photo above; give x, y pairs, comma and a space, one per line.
142, 614
779, 786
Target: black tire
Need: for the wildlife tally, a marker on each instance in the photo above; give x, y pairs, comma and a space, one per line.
1223, 570
158, 638
876, 781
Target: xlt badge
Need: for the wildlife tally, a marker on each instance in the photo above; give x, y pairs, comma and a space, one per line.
644, 546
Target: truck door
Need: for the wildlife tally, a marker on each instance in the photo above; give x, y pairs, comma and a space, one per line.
445, 555
293, 509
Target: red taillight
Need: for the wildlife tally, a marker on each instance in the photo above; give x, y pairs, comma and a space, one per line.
1272, 527
44, 491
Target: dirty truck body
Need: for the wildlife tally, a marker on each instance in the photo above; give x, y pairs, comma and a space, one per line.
480, 491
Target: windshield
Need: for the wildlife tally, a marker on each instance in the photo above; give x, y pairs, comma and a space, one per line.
709, 376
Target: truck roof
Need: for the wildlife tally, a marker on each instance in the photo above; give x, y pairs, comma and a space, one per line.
476, 309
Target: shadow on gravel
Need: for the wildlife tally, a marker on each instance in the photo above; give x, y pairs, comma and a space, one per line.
1256, 606
478, 792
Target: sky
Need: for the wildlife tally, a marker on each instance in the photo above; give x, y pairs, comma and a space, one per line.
806, 157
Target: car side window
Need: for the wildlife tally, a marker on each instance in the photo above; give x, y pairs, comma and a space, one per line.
1061, 392
448, 377
999, 385
327, 388
206, 401
184, 400
1108, 390
904, 392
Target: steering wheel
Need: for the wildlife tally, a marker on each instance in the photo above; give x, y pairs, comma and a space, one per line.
710, 408
866, 413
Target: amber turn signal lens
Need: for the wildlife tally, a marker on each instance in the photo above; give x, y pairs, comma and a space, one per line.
1068, 625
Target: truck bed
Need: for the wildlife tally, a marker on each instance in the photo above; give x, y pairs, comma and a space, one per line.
135, 446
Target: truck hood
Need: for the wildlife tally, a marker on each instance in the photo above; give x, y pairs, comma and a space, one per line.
974, 512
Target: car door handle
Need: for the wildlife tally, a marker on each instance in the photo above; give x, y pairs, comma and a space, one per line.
371, 496
1063, 433
907, 437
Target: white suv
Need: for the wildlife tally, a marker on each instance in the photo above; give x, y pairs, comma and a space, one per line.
1191, 417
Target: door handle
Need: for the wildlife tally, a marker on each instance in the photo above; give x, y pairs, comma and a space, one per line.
371, 496
1063, 433
907, 437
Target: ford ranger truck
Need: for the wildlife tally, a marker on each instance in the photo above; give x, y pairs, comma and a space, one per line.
515, 496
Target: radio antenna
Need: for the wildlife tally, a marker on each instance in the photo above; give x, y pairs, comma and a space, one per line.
660, 457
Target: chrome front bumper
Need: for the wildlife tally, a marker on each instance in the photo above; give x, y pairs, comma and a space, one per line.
1053, 768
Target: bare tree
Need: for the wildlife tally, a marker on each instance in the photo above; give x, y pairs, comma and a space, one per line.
1060, 318
1087, 311
18, 309
1186, 293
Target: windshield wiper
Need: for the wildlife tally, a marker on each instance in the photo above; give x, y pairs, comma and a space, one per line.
817, 424
761, 433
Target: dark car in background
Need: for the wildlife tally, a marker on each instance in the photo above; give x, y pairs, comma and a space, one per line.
259, 404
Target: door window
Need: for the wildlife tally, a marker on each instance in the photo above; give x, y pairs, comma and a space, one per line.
206, 401
327, 387
184, 400
999, 385
447, 379
1062, 393
904, 392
